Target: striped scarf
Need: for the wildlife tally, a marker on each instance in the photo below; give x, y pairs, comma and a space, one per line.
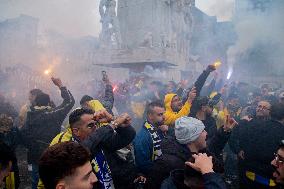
157, 152
101, 169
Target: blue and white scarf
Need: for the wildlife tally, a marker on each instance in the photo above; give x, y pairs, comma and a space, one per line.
101, 169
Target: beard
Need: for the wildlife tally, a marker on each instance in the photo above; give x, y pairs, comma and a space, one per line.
159, 123
276, 175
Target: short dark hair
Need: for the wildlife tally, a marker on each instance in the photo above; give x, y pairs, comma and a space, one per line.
150, 107
42, 99
61, 160
201, 101
76, 114
7, 155
277, 111
85, 98
35, 92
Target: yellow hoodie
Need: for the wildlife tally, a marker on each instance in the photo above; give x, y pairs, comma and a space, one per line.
170, 115
96, 105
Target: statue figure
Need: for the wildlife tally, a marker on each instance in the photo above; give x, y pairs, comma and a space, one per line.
110, 33
148, 40
181, 24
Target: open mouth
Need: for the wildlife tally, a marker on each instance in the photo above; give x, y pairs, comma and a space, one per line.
276, 174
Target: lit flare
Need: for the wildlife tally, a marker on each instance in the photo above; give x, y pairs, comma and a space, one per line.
47, 72
217, 64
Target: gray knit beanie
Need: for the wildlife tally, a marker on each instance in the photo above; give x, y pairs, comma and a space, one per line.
188, 129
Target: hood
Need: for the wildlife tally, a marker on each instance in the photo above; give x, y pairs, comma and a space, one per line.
96, 105
168, 101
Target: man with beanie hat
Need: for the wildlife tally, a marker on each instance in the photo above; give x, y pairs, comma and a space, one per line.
190, 138
191, 131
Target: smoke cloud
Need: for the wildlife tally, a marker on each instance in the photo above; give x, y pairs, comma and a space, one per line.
71, 17
222, 9
260, 37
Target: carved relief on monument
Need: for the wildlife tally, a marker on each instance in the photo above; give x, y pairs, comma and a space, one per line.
110, 35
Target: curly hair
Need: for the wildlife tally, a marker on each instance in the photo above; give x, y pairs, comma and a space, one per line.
61, 160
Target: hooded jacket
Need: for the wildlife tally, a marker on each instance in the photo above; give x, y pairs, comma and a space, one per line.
170, 115
96, 105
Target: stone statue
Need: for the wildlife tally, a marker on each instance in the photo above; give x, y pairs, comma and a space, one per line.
110, 34
181, 20
148, 40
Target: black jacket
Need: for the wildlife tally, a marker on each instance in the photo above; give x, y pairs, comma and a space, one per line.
123, 172
176, 181
210, 127
259, 142
199, 83
43, 124
174, 155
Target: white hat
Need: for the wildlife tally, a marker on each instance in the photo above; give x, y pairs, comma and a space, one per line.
188, 129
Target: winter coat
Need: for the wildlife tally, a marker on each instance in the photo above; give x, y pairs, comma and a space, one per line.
43, 124
176, 181
210, 127
259, 141
143, 149
174, 155
108, 140
199, 83
123, 171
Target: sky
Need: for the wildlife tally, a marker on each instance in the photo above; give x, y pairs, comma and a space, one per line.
77, 18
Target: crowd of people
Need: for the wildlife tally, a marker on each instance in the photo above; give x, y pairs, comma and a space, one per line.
147, 134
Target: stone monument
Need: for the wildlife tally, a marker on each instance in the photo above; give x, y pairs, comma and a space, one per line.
145, 32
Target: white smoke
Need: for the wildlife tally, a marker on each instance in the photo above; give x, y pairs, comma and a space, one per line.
222, 9
155, 73
258, 27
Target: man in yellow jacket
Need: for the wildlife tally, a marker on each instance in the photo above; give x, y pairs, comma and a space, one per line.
174, 107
